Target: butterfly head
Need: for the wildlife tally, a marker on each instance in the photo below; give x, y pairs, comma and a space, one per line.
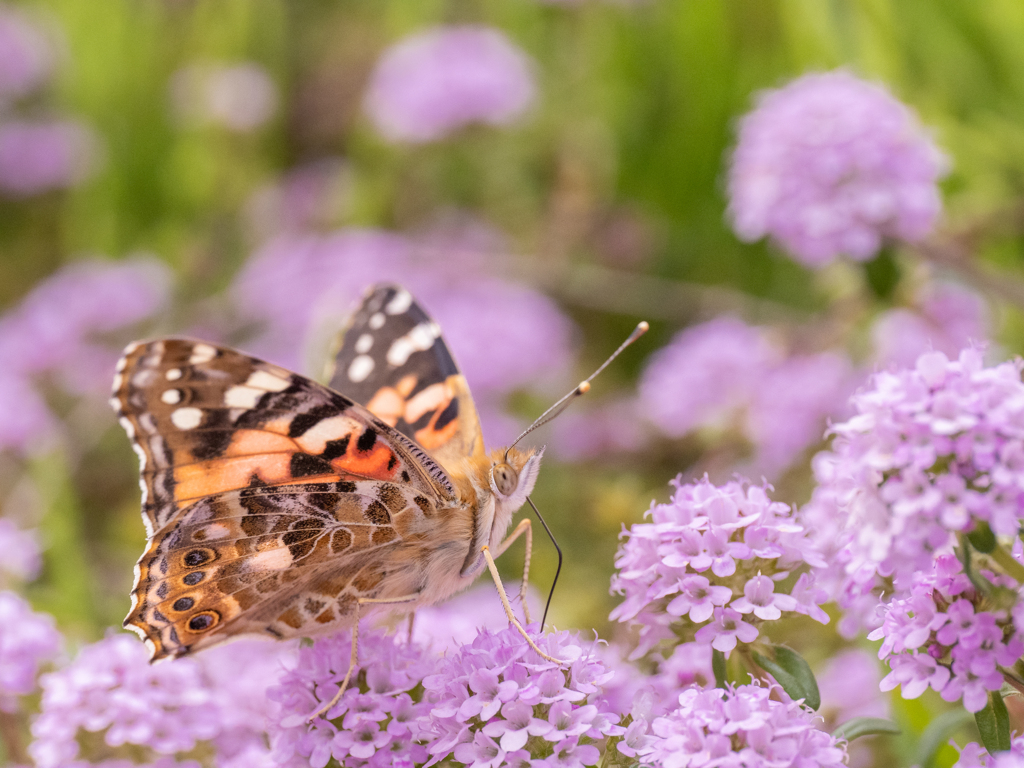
512, 476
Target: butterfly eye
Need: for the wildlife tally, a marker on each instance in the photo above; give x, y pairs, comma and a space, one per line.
505, 479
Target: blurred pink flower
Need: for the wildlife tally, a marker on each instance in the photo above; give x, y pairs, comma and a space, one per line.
37, 157
947, 319
831, 165
19, 552
240, 97
25, 54
704, 375
436, 81
311, 195
726, 376
789, 408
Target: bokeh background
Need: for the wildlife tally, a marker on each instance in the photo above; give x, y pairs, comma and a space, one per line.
543, 175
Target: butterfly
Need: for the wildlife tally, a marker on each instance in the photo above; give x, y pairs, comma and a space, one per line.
277, 506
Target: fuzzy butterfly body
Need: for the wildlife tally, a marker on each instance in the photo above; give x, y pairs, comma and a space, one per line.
273, 504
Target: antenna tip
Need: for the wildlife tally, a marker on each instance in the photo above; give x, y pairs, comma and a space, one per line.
583, 388
643, 327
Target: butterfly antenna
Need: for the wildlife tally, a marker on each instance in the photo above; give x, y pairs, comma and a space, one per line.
558, 570
581, 389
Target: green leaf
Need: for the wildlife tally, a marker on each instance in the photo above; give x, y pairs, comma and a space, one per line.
994, 724
982, 538
866, 726
793, 673
718, 667
938, 733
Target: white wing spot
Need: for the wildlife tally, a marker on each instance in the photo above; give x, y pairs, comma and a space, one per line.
186, 418
241, 396
115, 403
202, 353
128, 427
130, 349
399, 303
376, 320
122, 364
418, 339
215, 531
118, 381
271, 559
268, 381
173, 374
171, 396
363, 344
360, 368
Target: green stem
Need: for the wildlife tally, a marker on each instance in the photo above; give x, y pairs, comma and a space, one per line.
1002, 556
1012, 680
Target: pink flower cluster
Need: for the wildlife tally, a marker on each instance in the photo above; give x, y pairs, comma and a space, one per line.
831, 165
496, 702
218, 699
947, 636
932, 451
489, 702
712, 566
27, 640
724, 375
439, 80
973, 755
382, 718
741, 726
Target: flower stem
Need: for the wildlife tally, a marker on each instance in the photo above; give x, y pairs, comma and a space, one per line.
1008, 563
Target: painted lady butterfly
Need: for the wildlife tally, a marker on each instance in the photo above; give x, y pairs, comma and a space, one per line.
277, 506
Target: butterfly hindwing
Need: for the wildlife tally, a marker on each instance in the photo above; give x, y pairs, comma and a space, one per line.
393, 359
257, 484
282, 561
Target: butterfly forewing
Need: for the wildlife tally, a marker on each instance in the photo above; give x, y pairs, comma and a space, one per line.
268, 498
393, 359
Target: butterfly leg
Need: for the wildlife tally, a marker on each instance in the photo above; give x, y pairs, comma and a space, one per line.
523, 527
508, 607
354, 658
412, 618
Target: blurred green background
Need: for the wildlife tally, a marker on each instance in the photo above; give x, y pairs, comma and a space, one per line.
610, 190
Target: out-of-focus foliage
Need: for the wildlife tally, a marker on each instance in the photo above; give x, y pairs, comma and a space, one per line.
241, 170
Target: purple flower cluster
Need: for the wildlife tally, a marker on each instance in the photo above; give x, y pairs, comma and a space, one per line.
489, 702
831, 165
496, 702
382, 718
60, 330
947, 636
110, 688
36, 155
973, 755
436, 81
931, 452
946, 318
27, 640
726, 376
711, 566
742, 726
